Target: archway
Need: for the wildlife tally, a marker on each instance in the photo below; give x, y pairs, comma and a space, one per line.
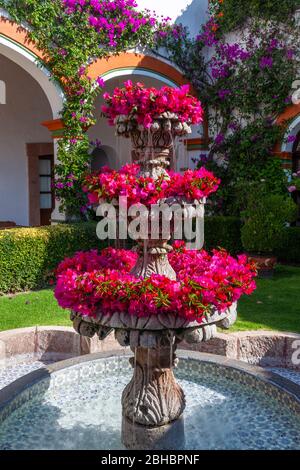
15, 46
31, 97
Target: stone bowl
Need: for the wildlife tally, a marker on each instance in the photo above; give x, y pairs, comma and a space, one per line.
148, 332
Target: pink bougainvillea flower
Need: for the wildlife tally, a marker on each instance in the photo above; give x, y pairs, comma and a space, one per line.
142, 105
109, 185
94, 281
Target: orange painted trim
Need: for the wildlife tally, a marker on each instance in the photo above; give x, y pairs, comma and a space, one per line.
283, 155
194, 141
54, 125
20, 35
283, 119
289, 113
134, 60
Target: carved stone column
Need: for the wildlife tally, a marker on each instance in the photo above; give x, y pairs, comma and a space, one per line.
153, 402
153, 259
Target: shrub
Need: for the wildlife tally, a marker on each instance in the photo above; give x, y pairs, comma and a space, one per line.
289, 251
29, 255
224, 232
266, 218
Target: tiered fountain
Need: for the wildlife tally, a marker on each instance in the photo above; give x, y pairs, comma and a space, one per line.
151, 300
153, 403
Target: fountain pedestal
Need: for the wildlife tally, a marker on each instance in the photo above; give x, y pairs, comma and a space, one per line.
153, 403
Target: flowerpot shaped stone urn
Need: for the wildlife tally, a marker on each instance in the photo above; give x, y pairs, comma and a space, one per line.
153, 403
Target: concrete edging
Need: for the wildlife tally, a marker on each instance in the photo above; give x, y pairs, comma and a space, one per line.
263, 348
53, 343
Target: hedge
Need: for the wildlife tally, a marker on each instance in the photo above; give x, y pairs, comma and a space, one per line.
289, 252
223, 232
29, 255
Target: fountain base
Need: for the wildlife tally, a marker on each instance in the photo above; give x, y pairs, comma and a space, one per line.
167, 437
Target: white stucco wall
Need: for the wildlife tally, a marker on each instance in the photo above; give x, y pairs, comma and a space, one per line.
191, 13
26, 107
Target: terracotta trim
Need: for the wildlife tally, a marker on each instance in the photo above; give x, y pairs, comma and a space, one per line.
197, 141
283, 155
289, 113
34, 151
54, 125
101, 66
19, 34
283, 119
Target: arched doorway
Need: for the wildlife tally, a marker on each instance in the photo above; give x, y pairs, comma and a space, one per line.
27, 152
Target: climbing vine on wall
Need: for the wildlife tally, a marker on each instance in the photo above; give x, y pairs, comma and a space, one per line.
72, 34
232, 14
245, 80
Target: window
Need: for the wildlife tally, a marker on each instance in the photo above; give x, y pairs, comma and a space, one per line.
45, 183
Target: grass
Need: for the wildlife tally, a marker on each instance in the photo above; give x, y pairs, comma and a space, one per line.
31, 309
274, 306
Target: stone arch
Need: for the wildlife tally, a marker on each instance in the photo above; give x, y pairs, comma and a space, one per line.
290, 118
129, 63
102, 156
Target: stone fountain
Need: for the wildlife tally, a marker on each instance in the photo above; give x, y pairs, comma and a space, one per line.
153, 403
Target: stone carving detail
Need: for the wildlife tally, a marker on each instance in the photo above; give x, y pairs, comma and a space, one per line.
153, 398
154, 261
85, 328
153, 331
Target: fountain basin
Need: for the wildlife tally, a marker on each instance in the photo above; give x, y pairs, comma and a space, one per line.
75, 404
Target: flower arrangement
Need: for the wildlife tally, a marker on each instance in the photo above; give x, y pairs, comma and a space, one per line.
135, 106
90, 282
110, 184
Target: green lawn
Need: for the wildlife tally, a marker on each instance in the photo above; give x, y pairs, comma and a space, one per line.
31, 309
274, 306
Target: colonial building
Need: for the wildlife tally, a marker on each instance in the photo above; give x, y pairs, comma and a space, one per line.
30, 106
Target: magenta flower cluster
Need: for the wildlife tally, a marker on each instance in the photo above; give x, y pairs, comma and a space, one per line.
142, 105
109, 185
112, 17
92, 282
